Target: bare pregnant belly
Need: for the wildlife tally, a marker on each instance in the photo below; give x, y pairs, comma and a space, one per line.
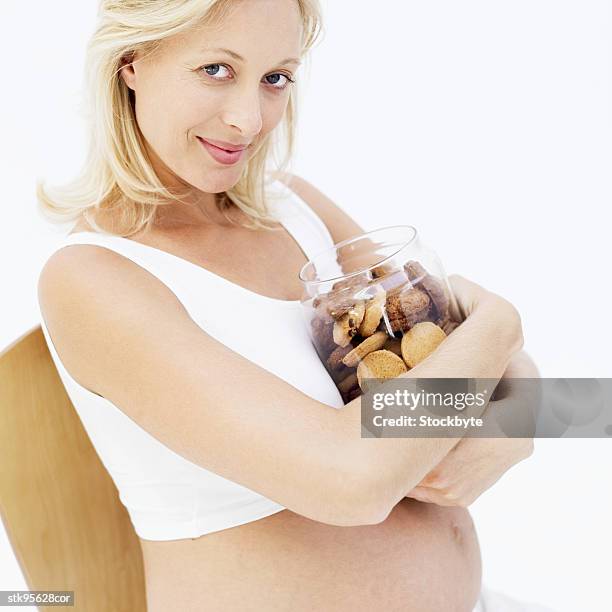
422, 558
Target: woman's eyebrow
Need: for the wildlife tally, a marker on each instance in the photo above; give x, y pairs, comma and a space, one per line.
289, 60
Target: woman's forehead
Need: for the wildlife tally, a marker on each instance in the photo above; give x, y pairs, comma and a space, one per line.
275, 22
275, 40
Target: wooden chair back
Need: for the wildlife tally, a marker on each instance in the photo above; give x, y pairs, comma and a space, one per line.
60, 508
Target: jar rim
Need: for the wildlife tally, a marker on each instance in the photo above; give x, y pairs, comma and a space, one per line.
347, 241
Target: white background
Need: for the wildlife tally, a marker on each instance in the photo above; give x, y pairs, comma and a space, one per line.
487, 125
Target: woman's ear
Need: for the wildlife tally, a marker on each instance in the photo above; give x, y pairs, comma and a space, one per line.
127, 70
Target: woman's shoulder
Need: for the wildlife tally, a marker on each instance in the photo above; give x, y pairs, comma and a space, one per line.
86, 292
75, 267
340, 224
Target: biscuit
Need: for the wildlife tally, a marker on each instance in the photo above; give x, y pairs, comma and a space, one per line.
449, 326
393, 345
352, 282
379, 364
352, 394
338, 305
322, 333
406, 306
394, 280
373, 313
334, 304
334, 361
341, 298
432, 285
349, 383
347, 325
371, 343
420, 341
382, 270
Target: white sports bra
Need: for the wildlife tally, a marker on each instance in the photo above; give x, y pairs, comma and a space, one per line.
167, 496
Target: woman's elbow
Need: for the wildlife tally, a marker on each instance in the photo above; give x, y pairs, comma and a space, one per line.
360, 500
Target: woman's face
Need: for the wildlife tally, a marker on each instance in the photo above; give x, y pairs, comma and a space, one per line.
227, 83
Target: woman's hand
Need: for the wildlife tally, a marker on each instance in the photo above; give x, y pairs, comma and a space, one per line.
475, 464
475, 307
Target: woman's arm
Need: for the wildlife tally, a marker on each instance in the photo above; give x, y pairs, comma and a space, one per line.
477, 358
481, 347
124, 335
476, 464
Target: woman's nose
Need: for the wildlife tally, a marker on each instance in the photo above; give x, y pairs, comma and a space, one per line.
243, 111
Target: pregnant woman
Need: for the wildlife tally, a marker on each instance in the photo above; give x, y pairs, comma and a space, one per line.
172, 313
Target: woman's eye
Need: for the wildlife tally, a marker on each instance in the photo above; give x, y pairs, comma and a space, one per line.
214, 69
277, 80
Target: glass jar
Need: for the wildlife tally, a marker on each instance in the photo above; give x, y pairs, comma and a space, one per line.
375, 306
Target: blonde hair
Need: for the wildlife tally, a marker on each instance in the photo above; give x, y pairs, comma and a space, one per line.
117, 180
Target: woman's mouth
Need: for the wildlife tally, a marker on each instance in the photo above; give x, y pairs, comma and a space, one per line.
223, 156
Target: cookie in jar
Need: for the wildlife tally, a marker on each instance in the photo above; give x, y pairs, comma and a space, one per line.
376, 305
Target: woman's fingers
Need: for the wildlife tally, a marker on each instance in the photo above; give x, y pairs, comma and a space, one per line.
517, 400
467, 293
471, 297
